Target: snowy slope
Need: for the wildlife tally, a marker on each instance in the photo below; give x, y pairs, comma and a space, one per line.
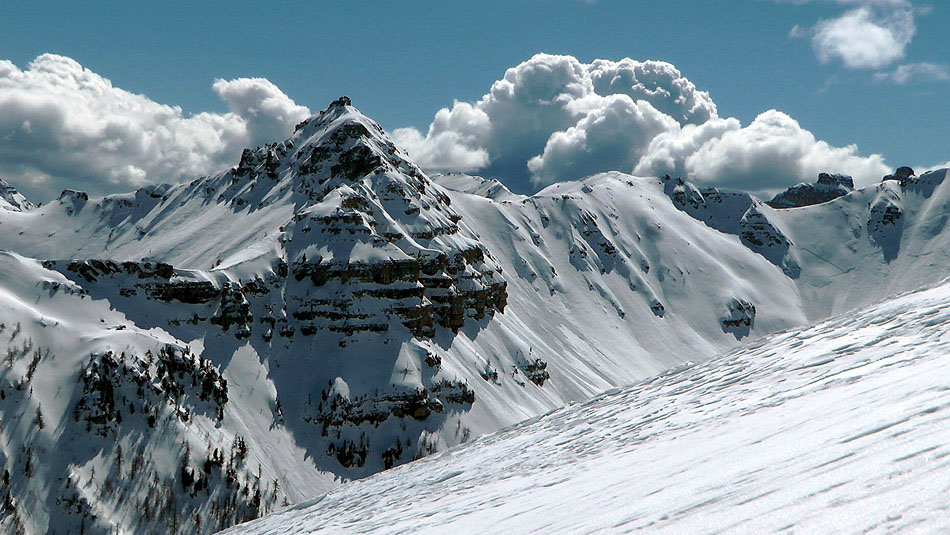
11, 199
100, 419
582, 287
852, 251
840, 427
364, 315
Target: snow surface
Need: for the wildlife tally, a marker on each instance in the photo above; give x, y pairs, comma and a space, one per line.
841, 427
52, 333
608, 280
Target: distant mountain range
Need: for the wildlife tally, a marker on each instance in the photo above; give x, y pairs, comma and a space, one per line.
186, 357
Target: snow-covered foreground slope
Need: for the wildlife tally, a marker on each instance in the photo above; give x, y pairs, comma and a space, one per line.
840, 427
360, 314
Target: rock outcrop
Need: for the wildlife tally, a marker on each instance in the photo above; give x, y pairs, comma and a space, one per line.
828, 188
885, 218
763, 235
11, 199
739, 318
371, 263
902, 175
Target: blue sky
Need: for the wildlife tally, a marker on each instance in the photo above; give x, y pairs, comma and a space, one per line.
403, 61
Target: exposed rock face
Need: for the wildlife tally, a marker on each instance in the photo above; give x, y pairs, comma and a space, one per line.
371, 263
828, 188
73, 200
885, 218
234, 310
763, 236
903, 175
905, 172
11, 199
831, 179
739, 318
683, 193
759, 231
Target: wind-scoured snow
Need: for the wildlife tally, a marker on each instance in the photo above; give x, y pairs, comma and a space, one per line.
326, 310
843, 427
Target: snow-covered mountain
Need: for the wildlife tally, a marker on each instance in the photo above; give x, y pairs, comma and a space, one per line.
325, 310
11, 199
842, 427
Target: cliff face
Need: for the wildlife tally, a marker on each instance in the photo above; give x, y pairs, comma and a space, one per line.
369, 262
378, 242
11, 199
306, 302
325, 310
829, 187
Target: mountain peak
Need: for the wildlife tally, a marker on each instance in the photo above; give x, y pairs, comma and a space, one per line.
336, 109
342, 101
11, 199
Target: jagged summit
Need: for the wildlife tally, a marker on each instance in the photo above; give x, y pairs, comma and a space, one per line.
337, 149
11, 199
336, 108
365, 314
364, 211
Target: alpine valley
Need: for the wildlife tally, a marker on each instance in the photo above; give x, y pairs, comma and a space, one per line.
187, 357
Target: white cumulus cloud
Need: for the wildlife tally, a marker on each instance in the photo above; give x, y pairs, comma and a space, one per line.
613, 135
64, 126
549, 119
554, 118
872, 34
269, 115
557, 109
862, 38
771, 152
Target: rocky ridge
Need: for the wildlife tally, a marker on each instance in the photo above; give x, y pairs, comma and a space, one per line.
11, 199
363, 314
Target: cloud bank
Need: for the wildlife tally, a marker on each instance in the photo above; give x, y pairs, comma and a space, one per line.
554, 118
549, 119
63, 126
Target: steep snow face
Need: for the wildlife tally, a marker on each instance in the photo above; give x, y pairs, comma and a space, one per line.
627, 284
849, 252
828, 428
